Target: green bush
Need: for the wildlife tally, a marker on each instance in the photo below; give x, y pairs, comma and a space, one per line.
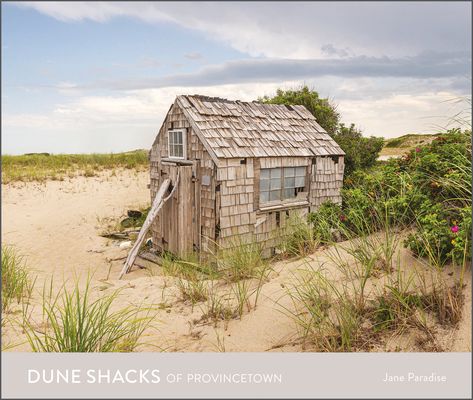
360, 152
326, 221
429, 189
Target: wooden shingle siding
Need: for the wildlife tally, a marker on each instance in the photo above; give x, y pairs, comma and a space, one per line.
236, 213
326, 181
227, 145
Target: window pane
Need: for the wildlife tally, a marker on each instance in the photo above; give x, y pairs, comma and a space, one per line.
300, 171
179, 137
264, 173
289, 193
275, 183
300, 181
264, 184
179, 149
274, 195
264, 197
275, 172
289, 171
289, 182
171, 139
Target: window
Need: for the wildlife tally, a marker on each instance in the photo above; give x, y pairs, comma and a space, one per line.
177, 144
277, 184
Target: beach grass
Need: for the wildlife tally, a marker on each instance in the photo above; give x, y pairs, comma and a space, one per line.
74, 322
17, 282
44, 166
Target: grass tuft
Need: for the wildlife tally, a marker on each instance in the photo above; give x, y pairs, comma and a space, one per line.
17, 283
73, 322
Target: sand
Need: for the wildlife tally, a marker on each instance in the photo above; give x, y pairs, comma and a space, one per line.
56, 226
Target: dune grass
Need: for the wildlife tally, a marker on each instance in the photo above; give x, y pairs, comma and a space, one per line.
298, 237
43, 166
73, 322
17, 282
224, 285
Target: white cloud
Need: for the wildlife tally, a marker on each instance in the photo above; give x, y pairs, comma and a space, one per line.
297, 29
398, 114
388, 82
131, 119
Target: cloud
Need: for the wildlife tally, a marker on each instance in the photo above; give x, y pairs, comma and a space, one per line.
330, 50
193, 56
131, 119
423, 66
296, 30
388, 66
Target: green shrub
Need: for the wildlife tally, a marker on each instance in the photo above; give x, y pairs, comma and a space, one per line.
360, 152
326, 222
428, 189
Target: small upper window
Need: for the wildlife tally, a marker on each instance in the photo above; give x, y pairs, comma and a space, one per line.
177, 144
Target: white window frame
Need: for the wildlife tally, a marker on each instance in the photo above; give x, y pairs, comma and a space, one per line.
184, 144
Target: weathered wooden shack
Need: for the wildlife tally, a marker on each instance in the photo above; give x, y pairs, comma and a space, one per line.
244, 168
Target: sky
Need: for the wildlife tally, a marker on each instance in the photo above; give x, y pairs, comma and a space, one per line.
82, 77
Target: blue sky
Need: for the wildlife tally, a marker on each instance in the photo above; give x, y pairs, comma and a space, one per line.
99, 77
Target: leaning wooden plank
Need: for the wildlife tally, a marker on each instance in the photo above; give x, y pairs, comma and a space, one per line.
158, 202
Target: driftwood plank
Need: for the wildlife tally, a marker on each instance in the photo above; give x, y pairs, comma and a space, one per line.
157, 204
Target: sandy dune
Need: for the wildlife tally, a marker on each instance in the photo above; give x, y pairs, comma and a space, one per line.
56, 225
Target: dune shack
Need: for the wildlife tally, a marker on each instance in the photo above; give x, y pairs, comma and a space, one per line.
241, 169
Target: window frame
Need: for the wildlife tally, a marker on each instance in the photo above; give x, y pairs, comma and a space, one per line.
184, 144
282, 189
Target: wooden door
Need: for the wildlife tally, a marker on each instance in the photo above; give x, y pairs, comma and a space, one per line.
177, 213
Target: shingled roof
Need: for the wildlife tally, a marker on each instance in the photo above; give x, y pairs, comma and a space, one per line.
237, 129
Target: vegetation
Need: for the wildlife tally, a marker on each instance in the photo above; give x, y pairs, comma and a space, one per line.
298, 237
225, 285
240, 260
73, 322
43, 166
17, 283
360, 152
410, 140
424, 197
429, 189
326, 317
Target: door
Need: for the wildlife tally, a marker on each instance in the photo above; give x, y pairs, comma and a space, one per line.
177, 213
